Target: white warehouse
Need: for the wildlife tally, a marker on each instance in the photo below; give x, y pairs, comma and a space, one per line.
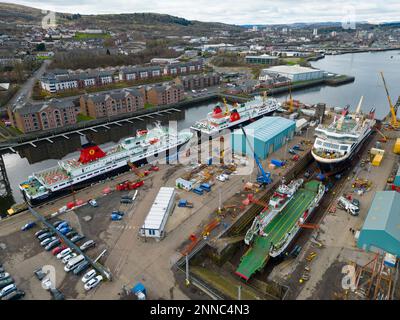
157, 217
295, 73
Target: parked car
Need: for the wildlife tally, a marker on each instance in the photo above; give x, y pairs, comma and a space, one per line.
77, 238
46, 241
92, 283
81, 267
65, 230
45, 235
39, 274
57, 250
89, 275
57, 223
63, 253
71, 234
8, 289
14, 295
69, 257
4, 275
52, 244
123, 200
121, 213
6, 282
116, 217
93, 203
62, 225
28, 226
88, 244
57, 295
40, 232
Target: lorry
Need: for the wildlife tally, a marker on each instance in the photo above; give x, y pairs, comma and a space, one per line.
184, 204
348, 206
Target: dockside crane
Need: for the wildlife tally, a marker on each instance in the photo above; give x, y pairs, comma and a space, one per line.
393, 122
265, 177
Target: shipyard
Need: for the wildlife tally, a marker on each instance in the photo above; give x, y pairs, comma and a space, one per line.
202, 170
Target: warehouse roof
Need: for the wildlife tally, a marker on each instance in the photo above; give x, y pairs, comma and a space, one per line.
159, 208
296, 69
267, 127
384, 213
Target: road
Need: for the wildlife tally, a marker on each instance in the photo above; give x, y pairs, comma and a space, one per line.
24, 93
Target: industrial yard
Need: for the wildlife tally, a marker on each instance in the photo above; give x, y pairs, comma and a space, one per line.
189, 244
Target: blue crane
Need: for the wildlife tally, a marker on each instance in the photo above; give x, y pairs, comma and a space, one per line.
265, 177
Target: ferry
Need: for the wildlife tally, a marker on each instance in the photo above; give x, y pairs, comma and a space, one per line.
274, 237
218, 120
337, 144
95, 164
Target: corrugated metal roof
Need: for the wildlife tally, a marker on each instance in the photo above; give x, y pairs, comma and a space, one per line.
384, 213
267, 127
158, 209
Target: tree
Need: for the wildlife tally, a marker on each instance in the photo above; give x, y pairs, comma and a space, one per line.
41, 47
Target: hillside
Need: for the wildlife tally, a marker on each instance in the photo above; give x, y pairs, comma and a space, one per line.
163, 24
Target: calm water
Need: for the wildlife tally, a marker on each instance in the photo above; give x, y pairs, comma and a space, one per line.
364, 66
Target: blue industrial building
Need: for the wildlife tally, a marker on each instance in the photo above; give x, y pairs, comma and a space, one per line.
266, 136
381, 229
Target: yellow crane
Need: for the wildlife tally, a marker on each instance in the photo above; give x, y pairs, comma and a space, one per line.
226, 106
394, 123
290, 99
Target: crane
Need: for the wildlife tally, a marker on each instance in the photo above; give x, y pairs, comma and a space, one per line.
226, 106
290, 99
265, 177
394, 123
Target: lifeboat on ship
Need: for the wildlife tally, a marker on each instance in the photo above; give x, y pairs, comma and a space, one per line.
140, 133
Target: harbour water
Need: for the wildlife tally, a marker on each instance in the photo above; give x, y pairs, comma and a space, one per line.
364, 66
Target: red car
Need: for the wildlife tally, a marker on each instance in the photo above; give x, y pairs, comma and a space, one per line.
58, 250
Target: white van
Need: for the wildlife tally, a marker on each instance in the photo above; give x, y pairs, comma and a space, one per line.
73, 263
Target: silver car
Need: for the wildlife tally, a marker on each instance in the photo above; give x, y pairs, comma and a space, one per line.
46, 241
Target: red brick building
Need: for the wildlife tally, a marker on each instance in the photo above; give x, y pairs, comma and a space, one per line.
111, 104
53, 114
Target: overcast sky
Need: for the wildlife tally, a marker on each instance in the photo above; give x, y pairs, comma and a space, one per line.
235, 11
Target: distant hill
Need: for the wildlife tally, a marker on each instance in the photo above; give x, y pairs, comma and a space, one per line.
146, 22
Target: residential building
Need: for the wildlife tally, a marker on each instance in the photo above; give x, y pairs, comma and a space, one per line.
199, 81
262, 59
61, 80
110, 104
55, 82
35, 117
163, 94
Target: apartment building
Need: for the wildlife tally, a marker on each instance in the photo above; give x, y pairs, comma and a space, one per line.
55, 82
110, 104
200, 81
62, 80
50, 115
163, 94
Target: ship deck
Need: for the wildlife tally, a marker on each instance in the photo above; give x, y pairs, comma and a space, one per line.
258, 254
